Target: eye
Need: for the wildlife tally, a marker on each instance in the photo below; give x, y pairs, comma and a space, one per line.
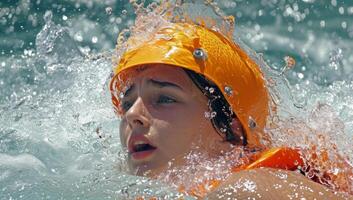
126, 105
162, 99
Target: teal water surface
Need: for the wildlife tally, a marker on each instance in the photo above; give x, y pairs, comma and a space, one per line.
58, 132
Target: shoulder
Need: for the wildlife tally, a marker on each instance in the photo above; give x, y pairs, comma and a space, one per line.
266, 183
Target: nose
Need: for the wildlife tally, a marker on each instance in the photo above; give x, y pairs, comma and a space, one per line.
137, 116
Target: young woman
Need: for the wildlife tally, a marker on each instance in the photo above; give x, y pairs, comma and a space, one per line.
188, 87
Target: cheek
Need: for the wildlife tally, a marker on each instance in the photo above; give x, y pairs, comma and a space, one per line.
178, 133
123, 132
174, 138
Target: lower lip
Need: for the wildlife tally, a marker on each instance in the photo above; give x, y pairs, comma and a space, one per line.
142, 154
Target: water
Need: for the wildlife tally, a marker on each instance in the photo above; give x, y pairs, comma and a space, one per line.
58, 132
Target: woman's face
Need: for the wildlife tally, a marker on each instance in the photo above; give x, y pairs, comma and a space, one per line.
164, 119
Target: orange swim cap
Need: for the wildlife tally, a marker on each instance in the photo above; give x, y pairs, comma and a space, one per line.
213, 55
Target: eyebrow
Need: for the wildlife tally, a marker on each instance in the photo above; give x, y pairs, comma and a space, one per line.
164, 84
160, 84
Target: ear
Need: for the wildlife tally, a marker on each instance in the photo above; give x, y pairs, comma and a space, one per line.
237, 128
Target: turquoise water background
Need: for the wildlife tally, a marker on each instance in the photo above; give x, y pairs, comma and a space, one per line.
58, 133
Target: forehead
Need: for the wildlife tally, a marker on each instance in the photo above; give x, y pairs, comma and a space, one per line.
161, 72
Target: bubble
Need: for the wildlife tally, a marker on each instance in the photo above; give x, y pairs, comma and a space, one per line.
211, 90
336, 57
228, 90
121, 95
108, 10
341, 10
277, 186
344, 25
210, 115
64, 17
300, 75
213, 114
322, 23
48, 16
249, 186
290, 61
94, 39
282, 176
3, 64
118, 20
257, 27
124, 12
78, 37
334, 3
252, 123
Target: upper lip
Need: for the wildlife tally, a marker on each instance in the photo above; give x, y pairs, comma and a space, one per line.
137, 139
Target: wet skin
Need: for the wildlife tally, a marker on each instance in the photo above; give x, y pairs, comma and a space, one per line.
164, 109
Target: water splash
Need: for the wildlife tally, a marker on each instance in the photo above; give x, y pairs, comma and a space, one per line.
54, 41
41, 125
203, 169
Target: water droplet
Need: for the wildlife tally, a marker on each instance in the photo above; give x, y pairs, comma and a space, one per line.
124, 12
118, 20
228, 90
210, 115
78, 37
48, 16
282, 176
213, 114
108, 10
336, 57
300, 75
290, 61
64, 17
336, 171
249, 186
334, 3
94, 39
341, 10
121, 95
200, 54
211, 90
252, 123
344, 25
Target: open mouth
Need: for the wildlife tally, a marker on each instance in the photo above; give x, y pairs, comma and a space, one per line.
140, 147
